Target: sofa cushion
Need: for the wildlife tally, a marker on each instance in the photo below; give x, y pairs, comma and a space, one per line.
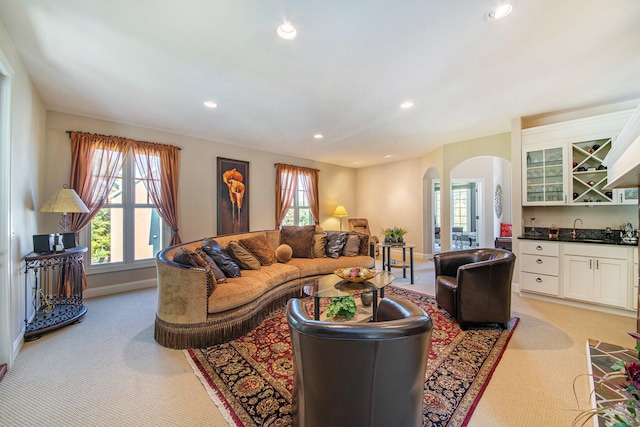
364, 244
219, 255
299, 238
284, 253
253, 283
505, 230
335, 243
351, 246
316, 266
319, 243
260, 248
217, 272
243, 257
189, 258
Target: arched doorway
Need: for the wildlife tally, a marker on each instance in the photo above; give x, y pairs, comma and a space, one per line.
483, 174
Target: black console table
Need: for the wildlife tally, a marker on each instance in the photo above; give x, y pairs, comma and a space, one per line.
56, 292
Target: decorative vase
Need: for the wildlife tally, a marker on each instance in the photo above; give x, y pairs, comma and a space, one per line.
366, 298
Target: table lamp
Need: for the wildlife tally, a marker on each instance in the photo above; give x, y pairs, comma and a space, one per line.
64, 201
340, 212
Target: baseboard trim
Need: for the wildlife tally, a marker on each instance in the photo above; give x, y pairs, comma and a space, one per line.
119, 288
18, 343
571, 303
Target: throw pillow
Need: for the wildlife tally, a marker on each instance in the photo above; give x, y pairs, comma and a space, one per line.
299, 238
352, 246
224, 261
319, 243
505, 230
243, 257
284, 253
364, 243
260, 248
219, 274
189, 258
335, 243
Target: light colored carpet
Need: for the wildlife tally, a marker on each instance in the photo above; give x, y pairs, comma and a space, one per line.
108, 371
105, 371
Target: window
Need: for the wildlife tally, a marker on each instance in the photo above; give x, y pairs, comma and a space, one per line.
127, 231
300, 212
461, 207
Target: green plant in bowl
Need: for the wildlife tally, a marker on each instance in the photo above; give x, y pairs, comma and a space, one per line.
342, 306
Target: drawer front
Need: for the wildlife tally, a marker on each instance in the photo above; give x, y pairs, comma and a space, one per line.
547, 265
596, 251
539, 283
538, 247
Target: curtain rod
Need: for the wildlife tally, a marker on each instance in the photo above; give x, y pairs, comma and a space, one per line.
275, 165
69, 133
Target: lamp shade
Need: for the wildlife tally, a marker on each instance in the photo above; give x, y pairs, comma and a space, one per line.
340, 211
64, 200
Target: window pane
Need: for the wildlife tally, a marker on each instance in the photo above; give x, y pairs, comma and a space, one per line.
148, 231
304, 217
289, 217
140, 195
106, 236
115, 195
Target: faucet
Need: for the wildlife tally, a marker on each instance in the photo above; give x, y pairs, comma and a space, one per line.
573, 232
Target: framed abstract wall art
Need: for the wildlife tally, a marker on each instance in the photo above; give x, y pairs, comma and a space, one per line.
233, 196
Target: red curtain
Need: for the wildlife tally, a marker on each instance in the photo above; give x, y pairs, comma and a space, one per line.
286, 184
96, 161
158, 163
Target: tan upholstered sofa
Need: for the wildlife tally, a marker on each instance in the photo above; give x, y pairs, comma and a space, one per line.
194, 313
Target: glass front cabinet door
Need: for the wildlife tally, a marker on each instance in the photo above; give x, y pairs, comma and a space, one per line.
544, 176
627, 196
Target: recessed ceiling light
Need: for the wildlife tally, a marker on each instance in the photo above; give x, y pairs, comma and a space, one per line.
498, 12
287, 31
210, 104
387, 156
406, 104
318, 136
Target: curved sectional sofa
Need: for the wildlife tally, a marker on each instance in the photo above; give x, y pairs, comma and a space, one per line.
193, 312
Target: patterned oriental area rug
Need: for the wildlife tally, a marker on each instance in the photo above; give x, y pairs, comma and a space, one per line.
250, 379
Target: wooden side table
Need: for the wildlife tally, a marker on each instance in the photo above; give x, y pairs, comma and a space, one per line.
56, 293
386, 258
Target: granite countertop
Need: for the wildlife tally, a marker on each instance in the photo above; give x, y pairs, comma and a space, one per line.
579, 239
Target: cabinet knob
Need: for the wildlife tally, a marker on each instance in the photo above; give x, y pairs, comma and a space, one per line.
538, 248
539, 280
539, 261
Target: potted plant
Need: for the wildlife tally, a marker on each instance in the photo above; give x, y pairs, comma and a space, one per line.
394, 235
342, 306
387, 233
399, 234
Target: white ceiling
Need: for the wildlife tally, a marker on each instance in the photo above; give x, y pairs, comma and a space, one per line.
154, 62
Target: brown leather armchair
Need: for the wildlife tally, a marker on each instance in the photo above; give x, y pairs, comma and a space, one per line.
361, 225
474, 285
360, 374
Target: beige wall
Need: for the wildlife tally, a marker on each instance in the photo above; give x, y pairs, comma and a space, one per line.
27, 158
197, 187
395, 194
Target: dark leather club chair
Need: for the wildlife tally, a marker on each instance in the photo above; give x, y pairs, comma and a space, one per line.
360, 374
474, 285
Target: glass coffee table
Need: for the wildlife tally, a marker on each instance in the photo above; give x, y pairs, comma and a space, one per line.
331, 286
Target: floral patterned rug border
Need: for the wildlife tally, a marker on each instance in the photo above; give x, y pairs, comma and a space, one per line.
250, 378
